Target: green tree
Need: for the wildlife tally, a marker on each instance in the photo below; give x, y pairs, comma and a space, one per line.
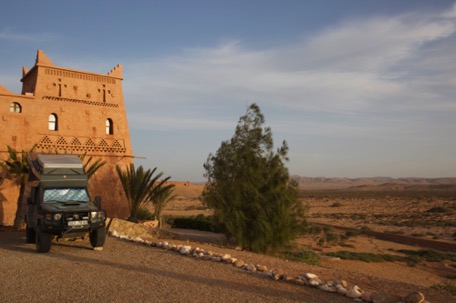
250, 190
140, 187
160, 199
16, 169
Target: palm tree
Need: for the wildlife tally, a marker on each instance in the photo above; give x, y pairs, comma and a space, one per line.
140, 186
161, 198
16, 169
91, 168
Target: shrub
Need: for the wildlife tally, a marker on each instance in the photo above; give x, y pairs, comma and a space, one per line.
439, 209
144, 214
307, 256
199, 222
366, 257
448, 287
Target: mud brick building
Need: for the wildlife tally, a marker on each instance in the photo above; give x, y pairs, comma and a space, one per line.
67, 111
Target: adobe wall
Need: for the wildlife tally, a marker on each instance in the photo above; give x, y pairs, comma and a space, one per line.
82, 102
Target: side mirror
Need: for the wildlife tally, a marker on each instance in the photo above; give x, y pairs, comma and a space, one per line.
97, 202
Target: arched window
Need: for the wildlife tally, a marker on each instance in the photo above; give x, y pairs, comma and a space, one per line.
15, 107
109, 127
53, 122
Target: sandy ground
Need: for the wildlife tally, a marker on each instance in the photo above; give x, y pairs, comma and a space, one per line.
412, 213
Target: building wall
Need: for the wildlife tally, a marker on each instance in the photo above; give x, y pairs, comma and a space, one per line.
82, 102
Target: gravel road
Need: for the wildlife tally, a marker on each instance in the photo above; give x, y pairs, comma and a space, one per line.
129, 272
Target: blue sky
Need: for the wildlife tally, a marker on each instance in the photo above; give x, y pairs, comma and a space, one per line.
357, 88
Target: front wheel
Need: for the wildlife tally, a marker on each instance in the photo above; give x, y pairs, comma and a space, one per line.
43, 241
30, 235
98, 237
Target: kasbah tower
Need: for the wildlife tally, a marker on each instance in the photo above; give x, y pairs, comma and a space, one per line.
67, 111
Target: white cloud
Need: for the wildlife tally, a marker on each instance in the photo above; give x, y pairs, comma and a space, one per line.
354, 67
8, 34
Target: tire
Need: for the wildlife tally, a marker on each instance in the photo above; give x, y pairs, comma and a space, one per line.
43, 241
30, 235
98, 237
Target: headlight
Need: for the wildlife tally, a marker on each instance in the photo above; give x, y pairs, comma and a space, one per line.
97, 215
57, 216
94, 215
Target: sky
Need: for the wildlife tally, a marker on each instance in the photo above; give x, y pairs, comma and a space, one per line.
356, 88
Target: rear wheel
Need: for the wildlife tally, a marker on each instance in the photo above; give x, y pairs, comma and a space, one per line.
43, 241
30, 235
98, 237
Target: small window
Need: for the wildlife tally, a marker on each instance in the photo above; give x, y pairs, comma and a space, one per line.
53, 122
15, 107
109, 127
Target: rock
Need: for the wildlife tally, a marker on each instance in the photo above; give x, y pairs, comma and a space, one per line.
342, 283
216, 259
278, 271
261, 268
226, 257
341, 290
185, 250
314, 282
414, 297
138, 240
287, 278
98, 248
299, 281
275, 277
114, 233
238, 248
265, 273
310, 276
327, 288
354, 292
239, 263
366, 296
384, 297
232, 260
249, 267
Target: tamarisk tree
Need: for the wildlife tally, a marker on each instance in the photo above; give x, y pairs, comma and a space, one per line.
249, 188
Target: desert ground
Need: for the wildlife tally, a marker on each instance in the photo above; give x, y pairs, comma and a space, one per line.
420, 212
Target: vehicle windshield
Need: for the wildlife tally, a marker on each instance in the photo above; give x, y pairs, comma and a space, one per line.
65, 195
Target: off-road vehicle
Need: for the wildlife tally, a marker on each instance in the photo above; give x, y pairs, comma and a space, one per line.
59, 205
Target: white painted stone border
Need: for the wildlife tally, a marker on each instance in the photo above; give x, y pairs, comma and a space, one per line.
308, 279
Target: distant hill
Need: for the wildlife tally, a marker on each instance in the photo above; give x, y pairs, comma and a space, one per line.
334, 183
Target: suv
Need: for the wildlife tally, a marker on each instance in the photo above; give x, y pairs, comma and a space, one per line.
59, 205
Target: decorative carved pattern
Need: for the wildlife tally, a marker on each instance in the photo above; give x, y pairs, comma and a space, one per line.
61, 141
109, 145
82, 76
87, 102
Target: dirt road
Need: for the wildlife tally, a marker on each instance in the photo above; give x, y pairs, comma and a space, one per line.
128, 272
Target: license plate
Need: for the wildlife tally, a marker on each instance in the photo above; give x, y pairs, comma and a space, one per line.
77, 223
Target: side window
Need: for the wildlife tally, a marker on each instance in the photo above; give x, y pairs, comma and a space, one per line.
15, 107
109, 127
53, 122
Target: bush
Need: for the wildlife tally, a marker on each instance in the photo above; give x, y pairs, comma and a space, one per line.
366, 257
439, 209
306, 256
199, 222
451, 288
144, 214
